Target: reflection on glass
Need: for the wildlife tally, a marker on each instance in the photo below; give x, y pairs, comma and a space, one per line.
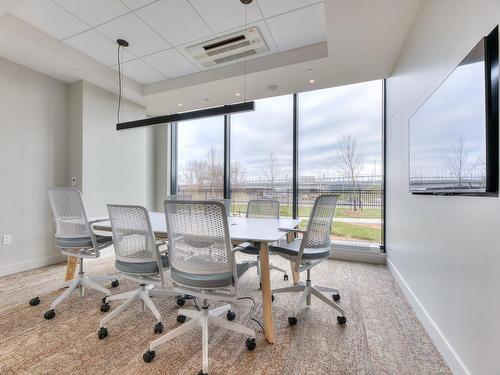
448, 132
200, 158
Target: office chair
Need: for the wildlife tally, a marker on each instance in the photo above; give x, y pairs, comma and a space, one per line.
138, 258
263, 209
308, 252
202, 264
75, 237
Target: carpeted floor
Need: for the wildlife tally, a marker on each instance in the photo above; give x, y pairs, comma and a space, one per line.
382, 334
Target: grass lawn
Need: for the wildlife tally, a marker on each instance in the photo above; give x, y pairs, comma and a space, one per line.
356, 231
341, 212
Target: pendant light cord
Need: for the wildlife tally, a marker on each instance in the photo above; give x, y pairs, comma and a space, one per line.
245, 61
119, 86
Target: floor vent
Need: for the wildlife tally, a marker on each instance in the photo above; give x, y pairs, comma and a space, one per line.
229, 48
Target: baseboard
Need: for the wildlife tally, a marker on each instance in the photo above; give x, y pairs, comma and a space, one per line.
358, 256
30, 264
450, 356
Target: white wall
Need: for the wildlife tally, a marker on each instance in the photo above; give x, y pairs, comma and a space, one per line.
33, 157
117, 165
445, 251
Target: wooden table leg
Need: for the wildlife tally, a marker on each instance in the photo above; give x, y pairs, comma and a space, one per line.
266, 292
70, 268
290, 237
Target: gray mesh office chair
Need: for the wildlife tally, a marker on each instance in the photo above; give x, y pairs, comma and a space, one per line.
263, 209
138, 258
308, 252
75, 237
202, 264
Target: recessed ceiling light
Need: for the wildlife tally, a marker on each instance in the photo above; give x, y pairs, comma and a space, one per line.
179, 105
311, 81
237, 94
309, 71
272, 88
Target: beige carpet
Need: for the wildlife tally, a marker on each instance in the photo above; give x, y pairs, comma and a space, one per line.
382, 334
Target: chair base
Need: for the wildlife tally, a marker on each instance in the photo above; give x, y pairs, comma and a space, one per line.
81, 281
142, 294
271, 267
202, 319
308, 289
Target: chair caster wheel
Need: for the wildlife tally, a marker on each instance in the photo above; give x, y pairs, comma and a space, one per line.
292, 320
148, 356
260, 285
285, 277
49, 314
341, 320
272, 297
105, 307
115, 283
159, 327
202, 373
181, 318
35, 301
250, 343
180, 301
104, 299
230, 315
336, 297
102, 333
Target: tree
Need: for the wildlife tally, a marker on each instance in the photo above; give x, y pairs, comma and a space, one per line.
351, 160
457, 162
238, 174
215, 170
273, 171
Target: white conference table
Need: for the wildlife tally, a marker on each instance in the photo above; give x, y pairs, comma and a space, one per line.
260, 231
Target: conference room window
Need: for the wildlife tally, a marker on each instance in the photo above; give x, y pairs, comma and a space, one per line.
262, 154
340, 152
200, 158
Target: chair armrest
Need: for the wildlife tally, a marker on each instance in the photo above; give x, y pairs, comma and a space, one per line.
295, 230
99, 220
241, 246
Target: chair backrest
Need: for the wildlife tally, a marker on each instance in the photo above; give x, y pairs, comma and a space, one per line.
133, 236
225, 202
320, 223
198, 237
263, 209
69, 213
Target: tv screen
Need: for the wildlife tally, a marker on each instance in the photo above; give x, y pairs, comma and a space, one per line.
454, 134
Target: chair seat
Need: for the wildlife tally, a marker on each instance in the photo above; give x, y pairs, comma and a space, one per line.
141, 268
82, 242
292, 249
219, 280
251, 250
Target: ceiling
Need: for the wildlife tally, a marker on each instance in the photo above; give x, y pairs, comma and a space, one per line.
334, 42
160, 30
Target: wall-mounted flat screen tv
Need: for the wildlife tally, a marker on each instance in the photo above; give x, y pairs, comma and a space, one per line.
454, 134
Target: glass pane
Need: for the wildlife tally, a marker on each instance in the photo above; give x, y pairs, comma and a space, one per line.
340, 152
200, 158
262, 154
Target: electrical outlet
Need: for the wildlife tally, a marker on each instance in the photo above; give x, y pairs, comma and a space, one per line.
6, 239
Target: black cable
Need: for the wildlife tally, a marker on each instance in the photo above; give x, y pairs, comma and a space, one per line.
253, 310
119, 86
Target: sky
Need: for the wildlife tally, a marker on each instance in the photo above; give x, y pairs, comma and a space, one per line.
324, 117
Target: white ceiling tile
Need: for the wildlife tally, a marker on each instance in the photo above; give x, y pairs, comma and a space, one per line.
226, 14
134, 4
143, 40
49, 18
97, 46
140, 72
176, 20
271, 8
287, 35
94, 12
171, 63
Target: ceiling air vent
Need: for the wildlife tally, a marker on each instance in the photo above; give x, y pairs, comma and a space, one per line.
229, 48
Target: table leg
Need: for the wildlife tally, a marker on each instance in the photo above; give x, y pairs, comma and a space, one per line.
70, 268
266, 292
